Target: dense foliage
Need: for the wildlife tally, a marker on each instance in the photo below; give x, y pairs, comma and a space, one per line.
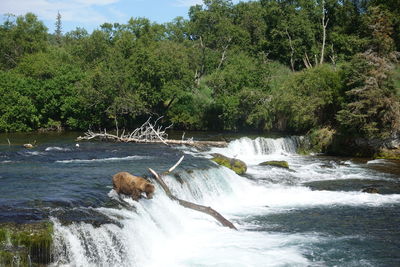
262, 65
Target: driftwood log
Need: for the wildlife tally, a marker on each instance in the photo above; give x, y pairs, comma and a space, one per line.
187, 204
148, 133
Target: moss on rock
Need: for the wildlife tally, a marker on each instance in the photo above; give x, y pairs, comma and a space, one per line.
236, 165
317, 141
393, 154
276, 163
26, 244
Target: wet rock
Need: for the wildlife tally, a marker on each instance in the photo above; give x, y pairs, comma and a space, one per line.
275, 163
371, 190
236, 165
393, 154
26, 244
90, 216
179, 178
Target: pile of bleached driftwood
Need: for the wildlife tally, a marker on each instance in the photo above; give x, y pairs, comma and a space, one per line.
148, 133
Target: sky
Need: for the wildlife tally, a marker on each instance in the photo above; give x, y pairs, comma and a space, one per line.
90, 14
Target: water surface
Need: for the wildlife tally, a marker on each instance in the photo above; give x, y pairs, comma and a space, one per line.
313, 214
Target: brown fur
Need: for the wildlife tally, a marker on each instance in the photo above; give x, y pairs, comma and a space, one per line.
128, 184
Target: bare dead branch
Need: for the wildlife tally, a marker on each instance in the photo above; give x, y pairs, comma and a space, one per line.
173, 167
148, 133
190, 205
291, 49
307, 62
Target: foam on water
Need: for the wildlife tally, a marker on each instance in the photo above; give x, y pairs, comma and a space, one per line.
35, 153
228, 192
162, 233
56, 148
159, 232
254, 151
302, 169
102, 159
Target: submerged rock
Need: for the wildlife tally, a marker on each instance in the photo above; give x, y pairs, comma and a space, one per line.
276, 163
89, 215
236, 165
371, 190
26, 244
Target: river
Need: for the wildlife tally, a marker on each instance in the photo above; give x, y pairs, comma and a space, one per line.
313, 214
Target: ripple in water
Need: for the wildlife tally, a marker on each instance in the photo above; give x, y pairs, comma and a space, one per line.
103, 159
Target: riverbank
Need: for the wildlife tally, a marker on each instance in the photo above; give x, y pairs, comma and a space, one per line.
328, 141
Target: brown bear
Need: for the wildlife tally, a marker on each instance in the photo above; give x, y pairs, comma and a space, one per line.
128, 184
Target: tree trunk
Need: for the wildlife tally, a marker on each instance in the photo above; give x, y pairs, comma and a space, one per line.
291, 50
324, 25
190, 205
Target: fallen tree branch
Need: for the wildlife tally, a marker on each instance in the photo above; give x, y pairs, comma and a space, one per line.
148, 133
173, 167
190, 205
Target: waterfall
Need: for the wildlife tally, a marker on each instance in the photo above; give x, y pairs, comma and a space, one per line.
159, 232
261, 148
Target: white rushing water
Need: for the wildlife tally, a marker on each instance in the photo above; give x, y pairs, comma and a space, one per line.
103, 159
159, 232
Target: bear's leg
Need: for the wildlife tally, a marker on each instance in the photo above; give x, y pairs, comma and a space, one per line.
115, 188
136, 194
149, 195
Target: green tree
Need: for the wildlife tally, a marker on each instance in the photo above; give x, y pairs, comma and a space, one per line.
309, 99
58, 30
17, 111
19, 36
372, 108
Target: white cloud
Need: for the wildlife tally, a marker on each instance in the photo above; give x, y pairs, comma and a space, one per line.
96, 2
188, 3
72, 10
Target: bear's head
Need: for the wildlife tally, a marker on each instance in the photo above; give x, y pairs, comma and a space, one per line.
149, 189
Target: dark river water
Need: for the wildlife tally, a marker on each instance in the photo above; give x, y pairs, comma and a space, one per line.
314, 214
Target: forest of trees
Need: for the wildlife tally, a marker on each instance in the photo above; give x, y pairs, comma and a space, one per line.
268, 65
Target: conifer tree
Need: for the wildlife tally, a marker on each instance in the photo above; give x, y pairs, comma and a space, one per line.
58, 30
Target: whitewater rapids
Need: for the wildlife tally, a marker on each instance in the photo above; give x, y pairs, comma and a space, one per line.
159, 232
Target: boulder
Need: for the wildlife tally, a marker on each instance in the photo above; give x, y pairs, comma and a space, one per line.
275, 163
236, 165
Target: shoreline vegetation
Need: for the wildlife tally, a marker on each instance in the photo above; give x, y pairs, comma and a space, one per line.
325, 69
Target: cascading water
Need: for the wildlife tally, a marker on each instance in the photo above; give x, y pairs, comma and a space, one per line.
312, 214
250, 148
159, 232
